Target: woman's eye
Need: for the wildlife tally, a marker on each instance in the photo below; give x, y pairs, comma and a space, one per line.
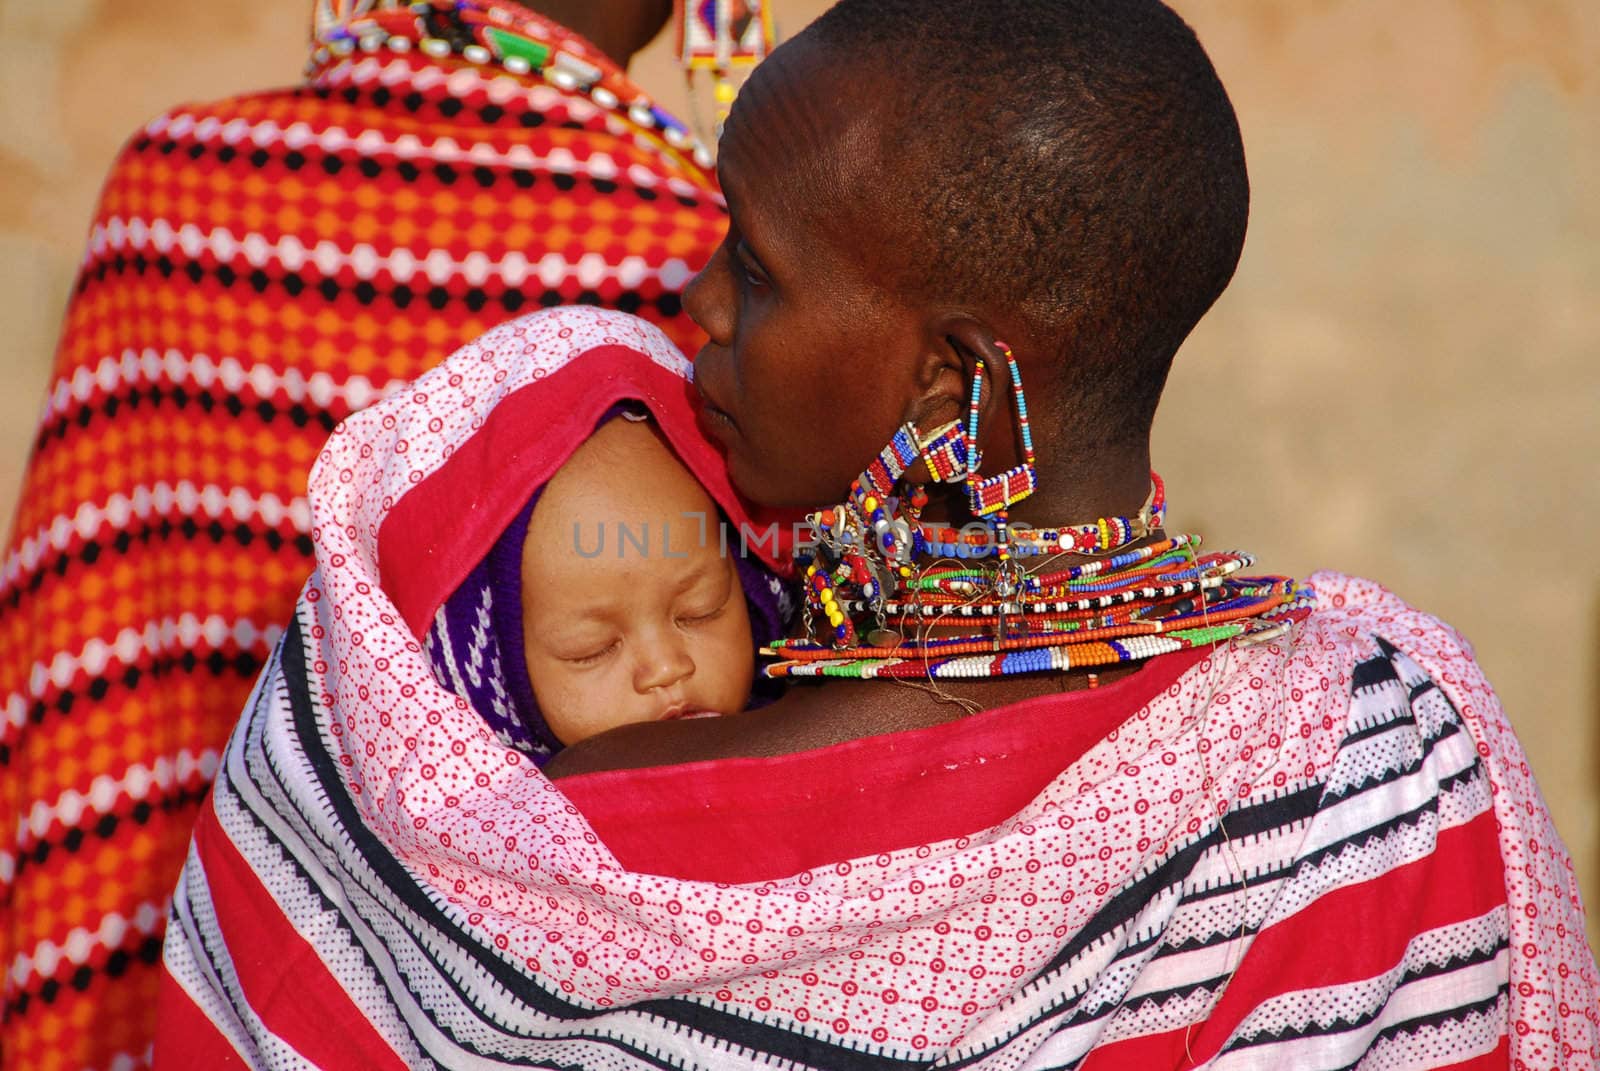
748, 268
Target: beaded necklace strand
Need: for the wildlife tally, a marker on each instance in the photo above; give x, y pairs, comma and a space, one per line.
978, 540
1129, 614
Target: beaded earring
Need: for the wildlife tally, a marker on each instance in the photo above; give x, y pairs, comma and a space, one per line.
891, 616
864, 547
945, 452
991, 494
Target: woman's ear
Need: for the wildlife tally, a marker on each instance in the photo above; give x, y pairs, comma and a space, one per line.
943, 381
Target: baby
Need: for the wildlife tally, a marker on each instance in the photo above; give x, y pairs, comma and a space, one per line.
608, 600
630, 612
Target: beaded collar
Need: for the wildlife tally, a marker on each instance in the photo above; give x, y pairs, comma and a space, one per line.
872, 610
881, 615
504, 36
1107, 533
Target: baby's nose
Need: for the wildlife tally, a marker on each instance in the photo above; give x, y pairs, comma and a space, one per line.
664, 663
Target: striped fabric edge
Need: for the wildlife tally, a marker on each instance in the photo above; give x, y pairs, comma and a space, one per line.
1408, 788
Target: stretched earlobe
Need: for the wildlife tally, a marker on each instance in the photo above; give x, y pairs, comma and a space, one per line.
956, 344
941, 382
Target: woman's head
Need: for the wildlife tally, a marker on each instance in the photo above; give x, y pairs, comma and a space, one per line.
910, 179
632, 612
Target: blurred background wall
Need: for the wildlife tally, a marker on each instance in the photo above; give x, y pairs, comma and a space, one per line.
1402, 381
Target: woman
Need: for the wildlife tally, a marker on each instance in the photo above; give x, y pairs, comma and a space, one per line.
1134, 872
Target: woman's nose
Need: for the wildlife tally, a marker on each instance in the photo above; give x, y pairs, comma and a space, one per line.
708, 299
663, 662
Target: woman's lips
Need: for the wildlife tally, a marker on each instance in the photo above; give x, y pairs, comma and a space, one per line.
716, 418
717, 422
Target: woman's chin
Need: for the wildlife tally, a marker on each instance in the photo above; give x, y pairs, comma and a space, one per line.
769, 491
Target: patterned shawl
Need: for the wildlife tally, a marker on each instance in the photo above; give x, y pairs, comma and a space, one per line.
1317, 853
257, 269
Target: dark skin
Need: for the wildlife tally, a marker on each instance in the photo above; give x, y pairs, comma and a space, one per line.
813, 364
619, 28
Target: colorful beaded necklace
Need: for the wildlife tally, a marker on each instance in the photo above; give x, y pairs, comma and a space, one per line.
483, 33
977, 540
887, 616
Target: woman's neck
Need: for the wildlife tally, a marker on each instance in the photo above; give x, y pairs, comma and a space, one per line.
1069, 490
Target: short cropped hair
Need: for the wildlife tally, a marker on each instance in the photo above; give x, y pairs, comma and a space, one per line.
1078, 162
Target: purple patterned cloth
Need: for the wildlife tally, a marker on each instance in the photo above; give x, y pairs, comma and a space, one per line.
476, 648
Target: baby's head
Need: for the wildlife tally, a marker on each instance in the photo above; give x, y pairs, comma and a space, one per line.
909, 180
631, 610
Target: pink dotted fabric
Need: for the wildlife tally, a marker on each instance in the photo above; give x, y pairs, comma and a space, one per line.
465, 906
1555, 990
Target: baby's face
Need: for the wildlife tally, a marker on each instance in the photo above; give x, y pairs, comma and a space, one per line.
630, 614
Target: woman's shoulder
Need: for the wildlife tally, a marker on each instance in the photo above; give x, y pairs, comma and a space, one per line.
1355, 607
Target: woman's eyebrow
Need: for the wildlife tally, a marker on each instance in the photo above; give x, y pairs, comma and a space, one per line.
746, 245
735, 217
732, 196
738, 222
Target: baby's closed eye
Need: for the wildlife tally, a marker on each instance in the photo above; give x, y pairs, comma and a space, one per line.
708, 595
703, 617
590, 655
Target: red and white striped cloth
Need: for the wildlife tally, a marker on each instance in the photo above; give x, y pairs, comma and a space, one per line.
1323, 852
